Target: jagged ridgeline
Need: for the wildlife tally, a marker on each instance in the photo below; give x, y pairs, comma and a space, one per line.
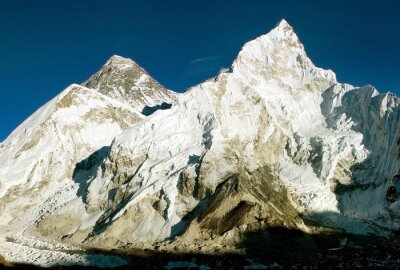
275, 142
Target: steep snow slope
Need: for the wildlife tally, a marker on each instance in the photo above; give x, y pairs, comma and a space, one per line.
271, 143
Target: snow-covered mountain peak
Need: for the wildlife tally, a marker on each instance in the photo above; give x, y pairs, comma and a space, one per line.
113, 72
280, 56
284, 30
282, 36
123, 79
120, 62
283, 23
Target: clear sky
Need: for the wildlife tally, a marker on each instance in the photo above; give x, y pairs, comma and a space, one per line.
47, 45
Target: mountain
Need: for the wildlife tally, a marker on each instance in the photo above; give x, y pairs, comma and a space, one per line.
38, 159
126, 81
274, 142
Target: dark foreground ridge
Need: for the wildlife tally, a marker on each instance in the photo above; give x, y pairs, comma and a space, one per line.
275, 248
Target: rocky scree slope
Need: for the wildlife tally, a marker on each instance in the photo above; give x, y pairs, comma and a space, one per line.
274, 142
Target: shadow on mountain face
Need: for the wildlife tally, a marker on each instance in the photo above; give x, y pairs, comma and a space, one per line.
329, 250
241, 198
181, 227
278, 242
86, 170
149, 110
269, 248
370, 187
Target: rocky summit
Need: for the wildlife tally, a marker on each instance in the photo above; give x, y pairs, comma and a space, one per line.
274, 143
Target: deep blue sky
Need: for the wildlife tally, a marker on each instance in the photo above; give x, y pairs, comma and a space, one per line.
47, 45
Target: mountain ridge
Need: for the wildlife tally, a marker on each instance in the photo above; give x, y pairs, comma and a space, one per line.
274, 142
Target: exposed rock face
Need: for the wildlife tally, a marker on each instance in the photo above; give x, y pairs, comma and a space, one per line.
270, 143
124, 80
